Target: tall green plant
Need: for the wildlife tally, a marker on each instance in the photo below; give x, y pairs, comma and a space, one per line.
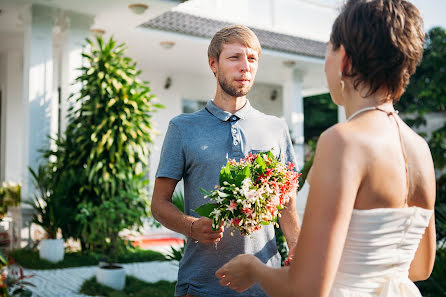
106, 146
46, 204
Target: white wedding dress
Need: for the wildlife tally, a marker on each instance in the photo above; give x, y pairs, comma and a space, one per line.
380, 246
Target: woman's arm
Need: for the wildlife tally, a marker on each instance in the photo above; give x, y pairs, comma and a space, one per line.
336, 176
424, 196
423, 262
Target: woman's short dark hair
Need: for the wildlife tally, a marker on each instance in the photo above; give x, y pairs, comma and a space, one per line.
384, 41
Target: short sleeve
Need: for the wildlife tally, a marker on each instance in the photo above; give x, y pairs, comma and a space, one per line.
287, 149
172, 155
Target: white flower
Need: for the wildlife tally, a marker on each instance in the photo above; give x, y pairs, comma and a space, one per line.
216, 212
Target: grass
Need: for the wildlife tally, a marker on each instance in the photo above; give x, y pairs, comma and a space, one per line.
133, 288
30, 258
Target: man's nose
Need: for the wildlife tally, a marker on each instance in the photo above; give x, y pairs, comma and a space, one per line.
244, 65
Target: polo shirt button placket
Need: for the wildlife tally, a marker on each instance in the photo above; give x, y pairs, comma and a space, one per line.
236, 150
234, 136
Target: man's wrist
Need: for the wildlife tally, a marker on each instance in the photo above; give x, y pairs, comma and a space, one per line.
190, 228
291, 243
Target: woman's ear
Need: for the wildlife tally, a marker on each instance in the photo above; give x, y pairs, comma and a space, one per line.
346, 63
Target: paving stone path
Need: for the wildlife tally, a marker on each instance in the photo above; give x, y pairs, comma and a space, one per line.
67, 282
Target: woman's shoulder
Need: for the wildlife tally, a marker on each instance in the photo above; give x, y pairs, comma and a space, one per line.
341, 142
341, 134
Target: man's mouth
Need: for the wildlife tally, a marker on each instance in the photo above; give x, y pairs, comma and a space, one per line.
243, 81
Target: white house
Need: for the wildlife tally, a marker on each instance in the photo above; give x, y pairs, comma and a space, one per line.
41, 42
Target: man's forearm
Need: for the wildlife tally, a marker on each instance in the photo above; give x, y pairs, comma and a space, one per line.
289, 223
171, 217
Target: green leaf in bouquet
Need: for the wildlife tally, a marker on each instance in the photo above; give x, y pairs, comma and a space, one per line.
242, 175
226, 175
206, 209
280, 207
204, 192
259, 161
264, 223
270, 154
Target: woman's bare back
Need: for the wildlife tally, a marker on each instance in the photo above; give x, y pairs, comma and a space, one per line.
384, 182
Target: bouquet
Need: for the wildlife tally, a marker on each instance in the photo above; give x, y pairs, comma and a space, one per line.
250, 193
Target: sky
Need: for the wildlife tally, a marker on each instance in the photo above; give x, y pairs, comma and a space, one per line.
433, 12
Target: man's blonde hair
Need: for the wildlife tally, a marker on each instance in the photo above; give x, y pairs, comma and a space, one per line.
231, 34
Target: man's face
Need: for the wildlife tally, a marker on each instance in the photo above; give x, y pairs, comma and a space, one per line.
236, 69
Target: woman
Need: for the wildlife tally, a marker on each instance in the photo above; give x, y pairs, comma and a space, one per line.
368, 228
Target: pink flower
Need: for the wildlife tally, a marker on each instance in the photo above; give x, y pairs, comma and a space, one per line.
232, 206
247, 211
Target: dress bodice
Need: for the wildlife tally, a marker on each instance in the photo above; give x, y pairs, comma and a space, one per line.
380, 245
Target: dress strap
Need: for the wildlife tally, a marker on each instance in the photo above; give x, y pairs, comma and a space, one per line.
403, 149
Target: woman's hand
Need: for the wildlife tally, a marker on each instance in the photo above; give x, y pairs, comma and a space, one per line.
238, 274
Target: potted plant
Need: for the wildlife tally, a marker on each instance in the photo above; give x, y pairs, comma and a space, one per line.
109, 130
10, 196
46, 205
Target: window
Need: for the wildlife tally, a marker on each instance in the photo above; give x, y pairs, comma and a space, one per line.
191, 106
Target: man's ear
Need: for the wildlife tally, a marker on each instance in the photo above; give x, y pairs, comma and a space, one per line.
346, 62
213, 64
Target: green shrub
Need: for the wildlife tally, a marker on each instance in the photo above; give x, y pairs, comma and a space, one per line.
133, 287
30, 258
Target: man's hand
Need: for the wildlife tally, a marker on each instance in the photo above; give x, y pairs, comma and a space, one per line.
290, 256
201, 231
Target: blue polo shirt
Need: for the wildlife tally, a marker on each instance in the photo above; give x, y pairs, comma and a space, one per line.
195, 149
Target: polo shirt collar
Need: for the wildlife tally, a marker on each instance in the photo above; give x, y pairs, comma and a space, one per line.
223, 115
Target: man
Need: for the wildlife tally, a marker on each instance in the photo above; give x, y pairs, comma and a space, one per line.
195, 148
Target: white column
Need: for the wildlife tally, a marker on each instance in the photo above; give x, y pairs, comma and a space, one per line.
12, 114
53, 47
39, 86
77, 29
293, 111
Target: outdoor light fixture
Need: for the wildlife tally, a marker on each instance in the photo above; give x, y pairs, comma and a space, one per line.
167, 44
138, 8
274, 95
167, 83
97, 31
289, 63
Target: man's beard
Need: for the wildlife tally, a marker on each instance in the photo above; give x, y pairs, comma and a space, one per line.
232, 91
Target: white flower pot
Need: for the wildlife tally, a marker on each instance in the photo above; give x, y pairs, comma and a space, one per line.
52, 250
111, 277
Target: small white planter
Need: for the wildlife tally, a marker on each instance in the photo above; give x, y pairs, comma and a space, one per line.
111, 277
52, 250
